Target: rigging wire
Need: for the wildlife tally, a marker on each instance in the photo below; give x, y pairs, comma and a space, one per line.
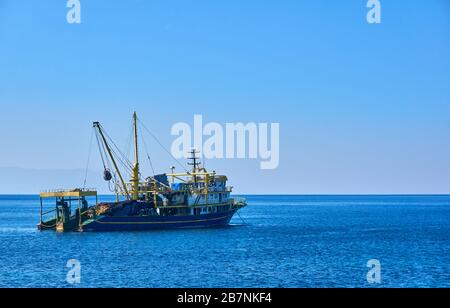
124, 165
150, 160
100, 150
104, 156
105, 150
128, 142
113, 181
122, 157
243, 221
107, 159
89, 158
161, 145
148, 155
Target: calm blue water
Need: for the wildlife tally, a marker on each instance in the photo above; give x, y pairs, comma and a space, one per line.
288, 241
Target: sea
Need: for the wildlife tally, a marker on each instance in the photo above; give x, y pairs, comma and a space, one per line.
277, 241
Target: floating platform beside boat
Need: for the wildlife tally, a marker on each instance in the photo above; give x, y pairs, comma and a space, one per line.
68, 206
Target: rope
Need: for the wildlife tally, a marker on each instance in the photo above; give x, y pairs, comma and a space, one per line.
124, 164
148, 156
162, 146
128, 142
104, 156
100, 150
122, 159
243, 221
101, 146
112, 182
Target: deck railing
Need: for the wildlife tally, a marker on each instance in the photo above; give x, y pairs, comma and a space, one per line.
65, 190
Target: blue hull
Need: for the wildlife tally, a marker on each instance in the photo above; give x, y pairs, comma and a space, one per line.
144, 223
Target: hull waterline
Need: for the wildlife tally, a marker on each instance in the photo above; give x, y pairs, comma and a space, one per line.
143, 223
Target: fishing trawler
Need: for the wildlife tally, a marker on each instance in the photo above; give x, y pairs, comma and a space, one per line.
192, 199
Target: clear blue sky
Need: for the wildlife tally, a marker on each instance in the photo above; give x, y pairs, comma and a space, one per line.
362, 108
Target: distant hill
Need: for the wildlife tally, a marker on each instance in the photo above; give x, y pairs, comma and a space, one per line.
32, 181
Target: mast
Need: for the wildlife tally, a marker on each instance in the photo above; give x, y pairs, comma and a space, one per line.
195, 160
108, 149
135, 171
195, 164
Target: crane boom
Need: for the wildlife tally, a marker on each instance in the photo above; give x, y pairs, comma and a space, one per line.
108, 149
